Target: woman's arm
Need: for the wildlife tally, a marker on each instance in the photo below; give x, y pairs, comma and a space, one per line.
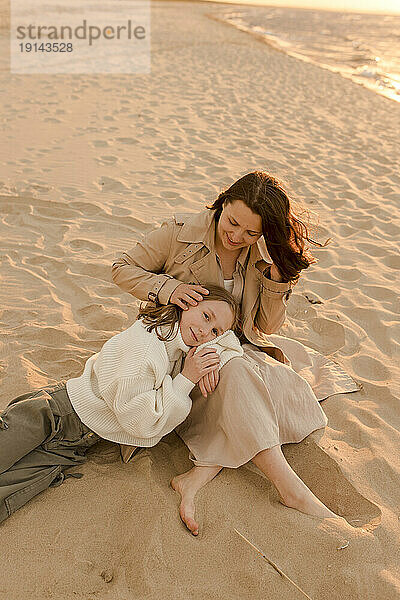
139, 271
274, 295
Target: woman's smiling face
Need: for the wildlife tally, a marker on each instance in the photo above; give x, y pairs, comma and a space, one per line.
238, 226
204, 322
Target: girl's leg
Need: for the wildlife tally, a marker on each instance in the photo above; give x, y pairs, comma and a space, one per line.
187, 485
40, 436
24, 425
292, 490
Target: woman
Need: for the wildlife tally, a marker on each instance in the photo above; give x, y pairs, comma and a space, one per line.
132, 392
251, 242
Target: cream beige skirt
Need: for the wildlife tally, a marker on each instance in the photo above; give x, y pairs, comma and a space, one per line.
260, 403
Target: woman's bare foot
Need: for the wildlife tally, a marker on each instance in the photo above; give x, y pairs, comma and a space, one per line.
306, 502
292, 490
187, 485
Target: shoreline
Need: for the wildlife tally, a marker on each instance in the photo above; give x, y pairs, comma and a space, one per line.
266, 5
276, 44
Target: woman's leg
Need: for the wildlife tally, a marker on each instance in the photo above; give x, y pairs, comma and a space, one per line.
187, 485
249, 410
292, 490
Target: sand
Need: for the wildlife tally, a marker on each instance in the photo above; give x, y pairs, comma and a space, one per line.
88, 165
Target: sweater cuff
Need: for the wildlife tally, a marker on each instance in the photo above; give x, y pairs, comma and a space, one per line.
182, 385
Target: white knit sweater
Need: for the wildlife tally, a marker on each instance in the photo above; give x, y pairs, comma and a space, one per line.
126, 393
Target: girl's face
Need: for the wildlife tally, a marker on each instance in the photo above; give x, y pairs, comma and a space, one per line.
238, 226
206, 321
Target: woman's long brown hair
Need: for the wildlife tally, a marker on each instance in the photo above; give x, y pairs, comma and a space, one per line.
170, 314
284, 233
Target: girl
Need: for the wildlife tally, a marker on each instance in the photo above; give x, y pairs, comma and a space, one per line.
250, 241
132, 392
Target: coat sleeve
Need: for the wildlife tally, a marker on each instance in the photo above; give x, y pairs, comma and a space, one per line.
140, 270
145, 412
271, 311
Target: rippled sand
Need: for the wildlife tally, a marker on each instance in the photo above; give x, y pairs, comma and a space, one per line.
88, 165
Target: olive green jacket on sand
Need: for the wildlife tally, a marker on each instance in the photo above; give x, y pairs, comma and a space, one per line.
182, 250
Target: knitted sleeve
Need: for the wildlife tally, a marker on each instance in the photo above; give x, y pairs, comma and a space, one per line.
145, 412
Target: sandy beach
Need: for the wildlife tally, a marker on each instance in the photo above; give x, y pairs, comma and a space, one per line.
88, 164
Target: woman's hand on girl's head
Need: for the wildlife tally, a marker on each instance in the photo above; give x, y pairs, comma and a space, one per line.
187, 293
200, 364
209, 382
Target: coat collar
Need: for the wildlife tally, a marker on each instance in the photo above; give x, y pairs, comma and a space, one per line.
199, 228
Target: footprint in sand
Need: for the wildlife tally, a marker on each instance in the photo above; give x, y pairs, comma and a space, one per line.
344, 274
107, 160
371, 249
87, 209
378, 292
108, 184
119, 211
80, 244
369, 368
71, 191
100, 143
346, 230
107, 291
300, 308
330, 334
127, 140
392, 261
61, 363
325, 291
46, 336
95, 316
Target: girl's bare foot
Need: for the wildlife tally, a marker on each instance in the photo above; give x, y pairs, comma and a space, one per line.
187, 485
186, 508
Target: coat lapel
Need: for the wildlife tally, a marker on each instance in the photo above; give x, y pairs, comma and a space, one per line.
198, 231
205, 270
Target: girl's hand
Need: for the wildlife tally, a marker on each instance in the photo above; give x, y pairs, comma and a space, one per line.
209, 382
200, 364
186, 293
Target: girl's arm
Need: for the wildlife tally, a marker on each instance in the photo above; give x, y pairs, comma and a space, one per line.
145, 412
140, 270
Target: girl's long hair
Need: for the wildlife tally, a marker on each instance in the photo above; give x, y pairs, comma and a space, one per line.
284, 233
170, 314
